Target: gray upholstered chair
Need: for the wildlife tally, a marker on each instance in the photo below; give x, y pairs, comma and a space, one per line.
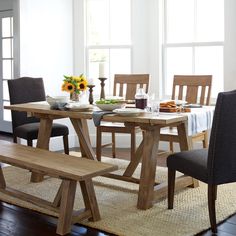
216, 165
24, 90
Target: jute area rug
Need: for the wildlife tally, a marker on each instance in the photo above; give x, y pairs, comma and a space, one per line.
117, 203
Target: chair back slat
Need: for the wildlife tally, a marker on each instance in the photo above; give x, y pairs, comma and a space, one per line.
190, 86
180, 97
222, 148
192, 94
202, 97
128, 84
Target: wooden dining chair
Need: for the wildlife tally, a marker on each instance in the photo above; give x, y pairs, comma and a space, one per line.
213, 166
27, 89
125, 85
194, 89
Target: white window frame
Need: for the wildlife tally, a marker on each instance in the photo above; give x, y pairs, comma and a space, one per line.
109, 86
6, 124
192, 45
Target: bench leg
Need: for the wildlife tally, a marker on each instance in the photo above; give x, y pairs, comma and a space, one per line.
66, 206
2, 179
57, 199
90, 200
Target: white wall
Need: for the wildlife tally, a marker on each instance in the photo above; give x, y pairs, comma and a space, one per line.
46, 46
230, 46
46, 43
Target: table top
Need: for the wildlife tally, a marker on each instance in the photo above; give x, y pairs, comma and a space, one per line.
145, 118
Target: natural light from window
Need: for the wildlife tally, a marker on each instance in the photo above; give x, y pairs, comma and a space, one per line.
193, 40
108, 40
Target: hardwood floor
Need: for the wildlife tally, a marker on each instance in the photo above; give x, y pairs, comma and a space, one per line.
17, 221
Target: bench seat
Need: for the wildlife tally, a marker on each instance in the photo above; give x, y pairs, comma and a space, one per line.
69, 169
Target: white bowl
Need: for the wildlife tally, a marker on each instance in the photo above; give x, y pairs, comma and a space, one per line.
110, 107
57, 101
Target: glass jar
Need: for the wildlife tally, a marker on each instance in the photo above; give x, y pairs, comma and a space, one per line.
141, 99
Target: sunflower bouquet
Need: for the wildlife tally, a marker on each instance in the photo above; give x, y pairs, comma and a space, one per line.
74, 84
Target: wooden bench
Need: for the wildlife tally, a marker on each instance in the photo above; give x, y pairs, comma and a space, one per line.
68, 168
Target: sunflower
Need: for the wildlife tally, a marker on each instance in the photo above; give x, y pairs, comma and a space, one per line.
74, 84
75, 79
82, 85
68, 87
63, 87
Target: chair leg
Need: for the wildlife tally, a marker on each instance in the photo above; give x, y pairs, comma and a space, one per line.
171, 188
30, 142
133, 145
14, 139
113, 138
212, 189
66, 144
171, 146
205, 141
99, 144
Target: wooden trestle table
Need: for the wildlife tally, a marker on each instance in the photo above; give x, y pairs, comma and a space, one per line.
149, 191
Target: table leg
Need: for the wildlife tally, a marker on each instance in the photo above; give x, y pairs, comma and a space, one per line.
82, 133
85, 128
42, 142
148, 170
184, 140
134, 163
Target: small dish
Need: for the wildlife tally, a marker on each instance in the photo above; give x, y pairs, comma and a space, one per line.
57, 102
128, 111
78, 106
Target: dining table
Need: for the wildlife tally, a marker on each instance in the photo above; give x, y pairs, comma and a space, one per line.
149, 191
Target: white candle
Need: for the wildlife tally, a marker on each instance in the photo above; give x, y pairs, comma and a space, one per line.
90, 81
101, 70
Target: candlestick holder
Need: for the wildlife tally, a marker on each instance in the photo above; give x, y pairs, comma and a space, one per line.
102, 95
91, 86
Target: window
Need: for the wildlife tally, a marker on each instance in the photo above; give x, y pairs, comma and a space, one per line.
193, 40
6, 62
108, 40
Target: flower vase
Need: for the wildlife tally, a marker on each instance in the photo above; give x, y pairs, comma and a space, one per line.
74, 96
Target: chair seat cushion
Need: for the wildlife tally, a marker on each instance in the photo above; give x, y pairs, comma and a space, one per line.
193, 163
30, 131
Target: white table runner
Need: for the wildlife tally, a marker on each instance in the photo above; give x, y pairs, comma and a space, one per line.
200, 119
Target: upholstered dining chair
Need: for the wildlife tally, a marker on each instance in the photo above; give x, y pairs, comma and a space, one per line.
213, 166
195, 89
27, 89
125, 85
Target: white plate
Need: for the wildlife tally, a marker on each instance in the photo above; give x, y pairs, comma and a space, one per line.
180, 102
128, 111
78, 106
110, 107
